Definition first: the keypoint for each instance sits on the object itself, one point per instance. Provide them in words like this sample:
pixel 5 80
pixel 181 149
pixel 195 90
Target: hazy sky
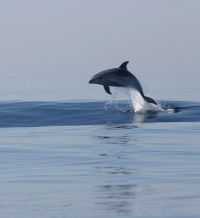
pixel 63 43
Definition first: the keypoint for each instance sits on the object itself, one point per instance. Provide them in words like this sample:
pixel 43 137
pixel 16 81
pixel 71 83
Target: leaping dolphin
pixel 119 77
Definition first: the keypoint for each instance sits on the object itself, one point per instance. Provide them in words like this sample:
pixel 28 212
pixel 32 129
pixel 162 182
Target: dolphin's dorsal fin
pixel 107 89
pixel 124 65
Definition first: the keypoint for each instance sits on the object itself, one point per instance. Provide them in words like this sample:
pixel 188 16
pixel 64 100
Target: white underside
pixel 140 105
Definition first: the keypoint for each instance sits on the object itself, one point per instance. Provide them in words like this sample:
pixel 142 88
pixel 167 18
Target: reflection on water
pixel 115 170
pixel 109 136
pixel 115 195
pixel 117 198
pixel 114 139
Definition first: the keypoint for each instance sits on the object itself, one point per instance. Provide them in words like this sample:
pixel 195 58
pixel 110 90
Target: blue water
pixel 92 159
pixel 36 114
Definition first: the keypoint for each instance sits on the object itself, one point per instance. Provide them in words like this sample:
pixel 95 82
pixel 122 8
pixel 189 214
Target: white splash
pixel 140 105
pixel 137 102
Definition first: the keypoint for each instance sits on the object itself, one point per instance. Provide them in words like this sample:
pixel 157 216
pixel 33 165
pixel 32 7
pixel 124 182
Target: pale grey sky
pixel 76 39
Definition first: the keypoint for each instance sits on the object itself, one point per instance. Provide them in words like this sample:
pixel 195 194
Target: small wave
pixel 36 114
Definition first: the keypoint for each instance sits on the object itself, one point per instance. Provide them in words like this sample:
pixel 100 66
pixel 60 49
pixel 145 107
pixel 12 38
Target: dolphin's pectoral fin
pixel 150 100
pixel 107 89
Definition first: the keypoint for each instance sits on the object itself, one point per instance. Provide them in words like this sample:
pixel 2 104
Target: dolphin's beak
pixel 91 81
pixel 96 80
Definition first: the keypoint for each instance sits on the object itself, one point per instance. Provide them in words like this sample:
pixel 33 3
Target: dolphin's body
pixel 119 77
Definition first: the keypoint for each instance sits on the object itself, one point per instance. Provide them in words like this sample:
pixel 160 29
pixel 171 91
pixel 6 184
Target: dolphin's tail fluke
pixel 150 100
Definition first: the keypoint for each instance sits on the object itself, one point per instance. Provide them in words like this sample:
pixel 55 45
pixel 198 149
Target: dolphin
pixel 119 77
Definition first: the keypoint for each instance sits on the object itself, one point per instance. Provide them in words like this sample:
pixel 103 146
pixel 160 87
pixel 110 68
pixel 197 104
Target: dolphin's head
pixel 107 77
pixel 111 77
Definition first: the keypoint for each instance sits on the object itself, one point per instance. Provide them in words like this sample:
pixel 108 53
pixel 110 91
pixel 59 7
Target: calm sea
pixel 96 159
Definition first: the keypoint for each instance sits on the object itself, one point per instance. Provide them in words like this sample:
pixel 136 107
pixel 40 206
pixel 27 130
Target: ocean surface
pixel 99 159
